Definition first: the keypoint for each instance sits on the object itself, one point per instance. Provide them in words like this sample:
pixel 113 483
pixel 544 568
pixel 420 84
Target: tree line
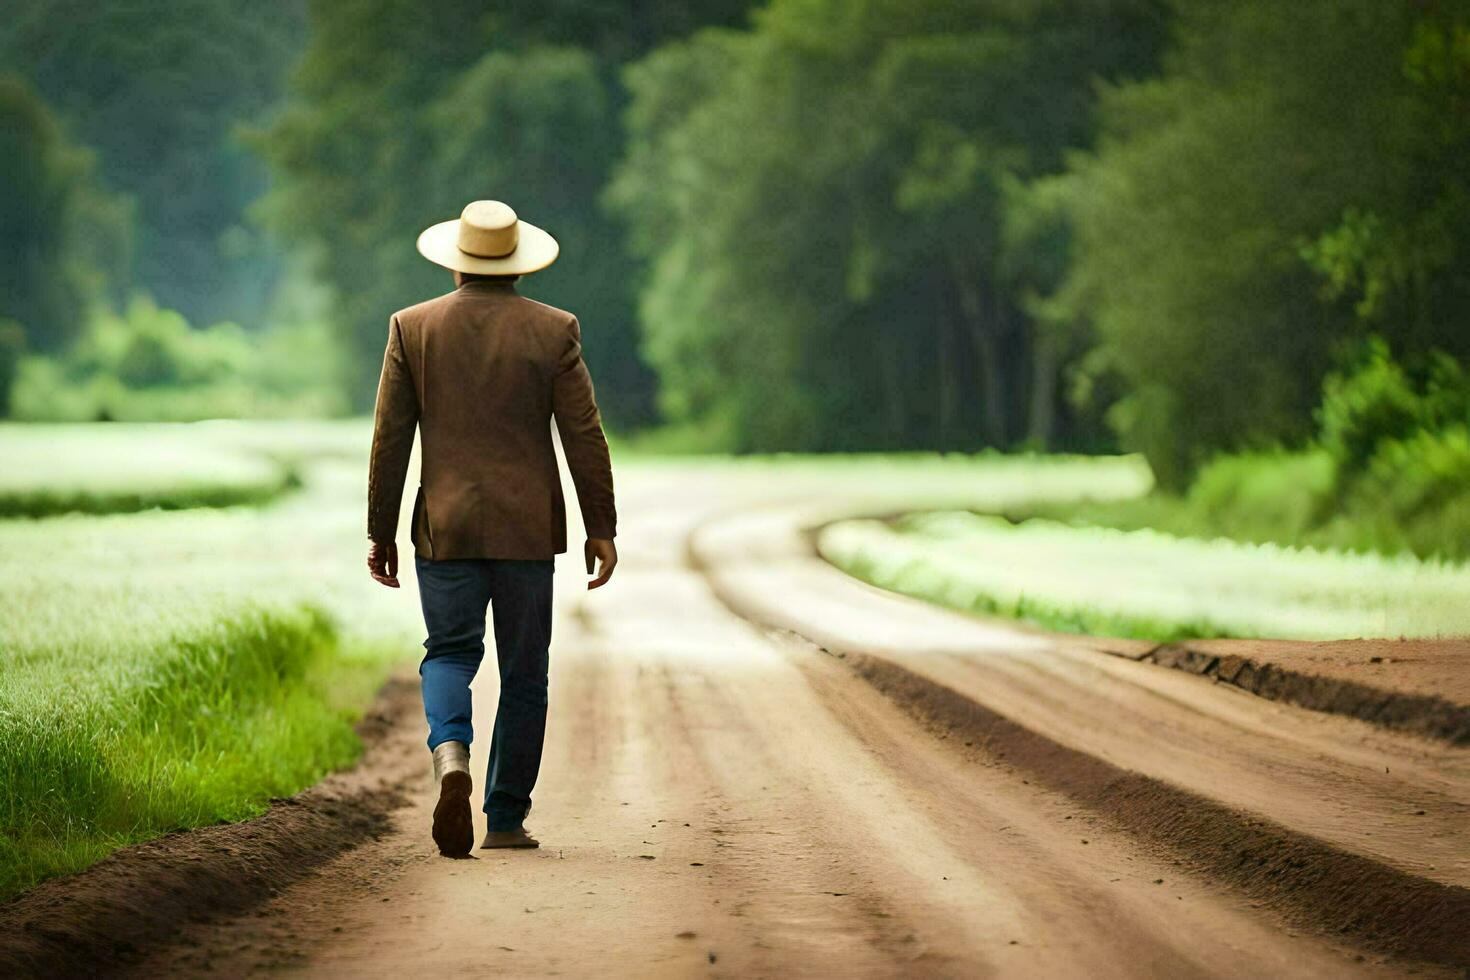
pixel 1055 224
pixel 401 113
pixel 1154 225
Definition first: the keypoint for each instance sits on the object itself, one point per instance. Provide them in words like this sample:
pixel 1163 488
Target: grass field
pixel 1149 584
pixel 1414 499
pixel 99 469
pixel 175 668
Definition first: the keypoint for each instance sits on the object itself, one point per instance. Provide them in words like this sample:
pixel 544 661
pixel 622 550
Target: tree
pixel 63 241
pixel 353 150
pixel 401 114
pixel 821 203
pixel 557 105
pixel 158 91
pixel 1295 178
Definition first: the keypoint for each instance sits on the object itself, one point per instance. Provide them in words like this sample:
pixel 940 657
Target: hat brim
pixel 535 250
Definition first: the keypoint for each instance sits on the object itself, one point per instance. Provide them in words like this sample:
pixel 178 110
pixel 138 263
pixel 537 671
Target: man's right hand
pixel 600 552
pixel 382 563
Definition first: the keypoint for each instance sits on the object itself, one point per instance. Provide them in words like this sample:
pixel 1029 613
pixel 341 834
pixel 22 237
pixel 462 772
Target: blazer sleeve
pixel 580 427
pixel 394 421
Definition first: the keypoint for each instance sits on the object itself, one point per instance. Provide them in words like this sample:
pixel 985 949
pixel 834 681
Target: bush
pixel 1390 472
pixel 1414 496
pixel 1275 496
pixel 1374 402
pixel 1262 496
pixel 148 364
pixel 1419 474
pixel 1380 402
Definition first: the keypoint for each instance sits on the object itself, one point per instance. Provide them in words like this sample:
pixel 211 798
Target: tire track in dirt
pixel 1408 806
pixel 1082 875
pixel 767 885
pixel 1076 722
pixel 1308 883
pixel 767 718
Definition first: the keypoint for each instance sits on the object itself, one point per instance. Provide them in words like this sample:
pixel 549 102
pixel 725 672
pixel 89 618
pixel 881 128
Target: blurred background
pixel 1183 227
pixel 1219 247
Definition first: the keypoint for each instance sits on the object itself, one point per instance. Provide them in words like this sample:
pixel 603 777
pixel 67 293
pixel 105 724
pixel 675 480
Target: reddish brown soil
pixel 1312 884
pixel 1416 686
pixel 1431 668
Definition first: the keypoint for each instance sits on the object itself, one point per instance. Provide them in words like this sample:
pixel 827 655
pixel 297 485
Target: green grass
pixel 1415 500
pixel 250 706
pixel 119 468
pixel 1270 497
pixel 1262 544
pixel 170 669
pixel 1149 584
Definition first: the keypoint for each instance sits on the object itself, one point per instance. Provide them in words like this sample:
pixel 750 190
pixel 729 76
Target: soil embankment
pixel 100 920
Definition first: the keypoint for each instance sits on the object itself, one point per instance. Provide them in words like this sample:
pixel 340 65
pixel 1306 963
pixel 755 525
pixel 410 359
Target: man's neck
pixel 492 284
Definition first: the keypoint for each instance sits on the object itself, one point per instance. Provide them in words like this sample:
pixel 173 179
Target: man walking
pixel 481 372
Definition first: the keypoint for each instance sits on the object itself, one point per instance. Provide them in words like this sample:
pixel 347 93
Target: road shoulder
pixel 102 920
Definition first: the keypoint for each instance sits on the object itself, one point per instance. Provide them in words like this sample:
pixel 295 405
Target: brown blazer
pixel 481 372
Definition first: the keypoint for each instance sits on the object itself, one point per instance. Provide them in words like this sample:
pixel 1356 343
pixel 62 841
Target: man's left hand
pixel 382 563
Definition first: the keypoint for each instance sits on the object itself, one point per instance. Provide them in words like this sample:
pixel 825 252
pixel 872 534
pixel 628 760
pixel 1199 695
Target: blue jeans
pixel 454 594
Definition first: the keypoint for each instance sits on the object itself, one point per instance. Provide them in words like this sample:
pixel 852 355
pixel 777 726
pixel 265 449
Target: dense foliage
pixel 1387 470
pixel 872 224
pixel 60 233
pixel 1158 225
pixel 825 205
pixel 149 364
pixel 159 92
pixel 402 113
pixel 1294 179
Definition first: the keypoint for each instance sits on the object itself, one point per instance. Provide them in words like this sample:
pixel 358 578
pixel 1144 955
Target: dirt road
pixel 720 799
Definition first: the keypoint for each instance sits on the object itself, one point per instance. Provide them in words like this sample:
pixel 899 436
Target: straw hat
pixel 488 239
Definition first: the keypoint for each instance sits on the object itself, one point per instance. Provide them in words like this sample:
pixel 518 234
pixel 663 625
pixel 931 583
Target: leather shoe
pixel 495 839
pixel 454 829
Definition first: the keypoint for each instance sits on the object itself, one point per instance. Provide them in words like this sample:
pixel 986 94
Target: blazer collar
pixel 487 286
